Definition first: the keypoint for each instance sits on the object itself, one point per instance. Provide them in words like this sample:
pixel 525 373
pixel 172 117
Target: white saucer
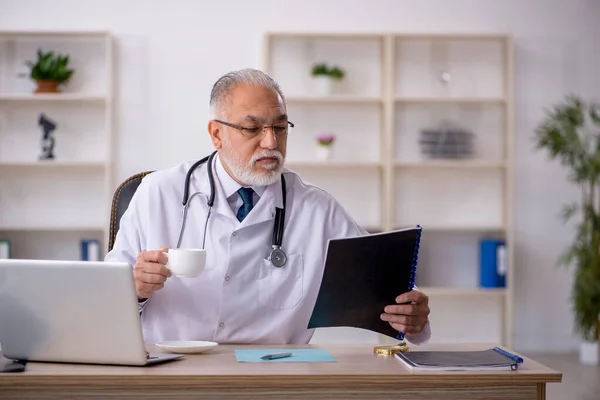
pixel 187 346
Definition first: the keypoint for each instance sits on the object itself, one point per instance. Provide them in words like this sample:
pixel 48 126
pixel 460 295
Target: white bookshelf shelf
pixel 461 228
pixel 46 164
pixel 66 34
pixel 396 86
pixel 334 99
pixel 292 164
pixel 47 97
pixel 52 228
pixel 450 100
pixel 48 206
pixel 463 292
pixel 444 164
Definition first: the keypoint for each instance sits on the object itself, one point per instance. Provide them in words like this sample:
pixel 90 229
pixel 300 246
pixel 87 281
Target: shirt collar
pixel 229 185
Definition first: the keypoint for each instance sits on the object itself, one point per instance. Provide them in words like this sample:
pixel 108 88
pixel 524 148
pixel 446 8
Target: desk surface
pixel 217 367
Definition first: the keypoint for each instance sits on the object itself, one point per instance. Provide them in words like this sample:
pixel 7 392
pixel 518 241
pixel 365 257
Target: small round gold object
pixel 390 350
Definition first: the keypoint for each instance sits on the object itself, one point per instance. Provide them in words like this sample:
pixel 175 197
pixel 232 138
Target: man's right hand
pixel 150 272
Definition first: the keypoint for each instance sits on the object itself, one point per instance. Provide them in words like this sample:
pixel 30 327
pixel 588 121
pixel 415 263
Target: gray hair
pixel 225 84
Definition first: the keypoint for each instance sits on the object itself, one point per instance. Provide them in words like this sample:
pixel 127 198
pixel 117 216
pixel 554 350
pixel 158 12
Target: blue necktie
pixel 246 195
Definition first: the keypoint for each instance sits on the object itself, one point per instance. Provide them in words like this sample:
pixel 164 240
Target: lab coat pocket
pixel 281 288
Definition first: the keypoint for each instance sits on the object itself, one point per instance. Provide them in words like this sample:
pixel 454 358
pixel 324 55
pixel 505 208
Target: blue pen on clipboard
pixel 505 353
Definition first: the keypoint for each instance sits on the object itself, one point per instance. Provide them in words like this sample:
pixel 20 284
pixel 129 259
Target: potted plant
pixel 571 133
pixel 326 76
pixel 325 143
pixel 49 71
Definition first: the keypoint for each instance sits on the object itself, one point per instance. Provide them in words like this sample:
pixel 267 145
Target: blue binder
pixel 492 263
pixel 90 250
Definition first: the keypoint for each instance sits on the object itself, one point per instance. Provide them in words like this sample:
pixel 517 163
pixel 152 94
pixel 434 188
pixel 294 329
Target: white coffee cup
pixel 187 263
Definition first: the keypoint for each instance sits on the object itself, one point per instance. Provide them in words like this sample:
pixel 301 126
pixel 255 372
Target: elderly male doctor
pixel 241 297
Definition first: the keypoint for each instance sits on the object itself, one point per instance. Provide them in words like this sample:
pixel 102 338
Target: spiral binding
pixel 413 270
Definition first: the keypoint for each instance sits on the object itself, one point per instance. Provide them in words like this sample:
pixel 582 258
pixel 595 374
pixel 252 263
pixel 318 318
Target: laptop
pixel 72 312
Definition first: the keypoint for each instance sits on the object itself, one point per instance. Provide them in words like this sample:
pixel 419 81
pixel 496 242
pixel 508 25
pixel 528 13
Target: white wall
pixel 170 52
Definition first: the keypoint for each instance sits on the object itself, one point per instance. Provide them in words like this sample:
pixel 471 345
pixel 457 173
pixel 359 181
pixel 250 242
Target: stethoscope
pixel 277 256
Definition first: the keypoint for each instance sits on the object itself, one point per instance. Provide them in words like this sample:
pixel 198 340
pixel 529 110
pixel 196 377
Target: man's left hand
pixel 408 318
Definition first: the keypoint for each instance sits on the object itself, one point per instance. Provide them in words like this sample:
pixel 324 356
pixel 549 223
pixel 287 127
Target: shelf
pixel 290 59
pixel 334 99
pixel 51 228
pixel 18 33
pixel 397 88
pixel 444 198
pixel 53 97
pixel 456 291
pixel 450 100
pixel 458 228
pixel 49 206
pixel 331 164
pixel 477 164
pixel 52 164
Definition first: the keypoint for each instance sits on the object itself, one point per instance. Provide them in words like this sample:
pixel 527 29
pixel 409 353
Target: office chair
pixel 120 202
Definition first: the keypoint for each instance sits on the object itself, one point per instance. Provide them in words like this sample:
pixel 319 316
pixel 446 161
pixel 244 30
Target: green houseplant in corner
pixel 571 134
pixel 49 71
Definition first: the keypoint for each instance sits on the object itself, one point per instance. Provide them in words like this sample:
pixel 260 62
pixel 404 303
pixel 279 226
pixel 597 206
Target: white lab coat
pixel 240 297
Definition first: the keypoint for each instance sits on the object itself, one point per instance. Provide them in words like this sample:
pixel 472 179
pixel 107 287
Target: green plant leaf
pixel 569 211
pixel 336 73
pixel 319 69
pixel 569 134
pixel 50 66
pixel 594 114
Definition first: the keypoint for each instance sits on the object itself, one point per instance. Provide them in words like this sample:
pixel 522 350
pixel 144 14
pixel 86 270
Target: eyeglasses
pixel 280 130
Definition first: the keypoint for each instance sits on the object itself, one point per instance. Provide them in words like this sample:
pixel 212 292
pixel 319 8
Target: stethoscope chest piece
pixel 278 257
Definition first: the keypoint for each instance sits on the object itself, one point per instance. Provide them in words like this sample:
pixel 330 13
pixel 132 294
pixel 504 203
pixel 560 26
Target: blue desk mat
pixel 298 355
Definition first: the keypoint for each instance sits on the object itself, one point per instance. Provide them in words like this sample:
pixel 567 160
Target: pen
pixel 505 353
pixel 275 356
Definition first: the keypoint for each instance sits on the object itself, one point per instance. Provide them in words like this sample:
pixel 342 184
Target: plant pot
pixel 589 353
pixel 324 85
pixel 324 153
pixel 46 86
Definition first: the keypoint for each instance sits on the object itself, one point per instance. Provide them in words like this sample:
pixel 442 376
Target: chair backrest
pixel 120 202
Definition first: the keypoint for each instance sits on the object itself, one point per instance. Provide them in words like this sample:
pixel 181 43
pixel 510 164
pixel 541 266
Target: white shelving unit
pixel 392 91
pixel 48 206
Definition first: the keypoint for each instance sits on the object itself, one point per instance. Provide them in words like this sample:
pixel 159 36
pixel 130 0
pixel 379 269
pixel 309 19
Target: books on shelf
pixel 90 250
pixel 4 249
pixel 471 360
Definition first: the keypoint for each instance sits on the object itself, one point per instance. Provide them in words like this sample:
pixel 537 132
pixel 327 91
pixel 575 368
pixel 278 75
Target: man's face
pixel 255 155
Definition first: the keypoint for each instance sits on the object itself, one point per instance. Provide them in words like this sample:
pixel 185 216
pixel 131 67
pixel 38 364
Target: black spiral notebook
pixel 472 360
pixel 363 275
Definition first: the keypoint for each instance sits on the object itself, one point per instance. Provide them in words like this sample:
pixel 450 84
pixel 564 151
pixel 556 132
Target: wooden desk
pixel 357 374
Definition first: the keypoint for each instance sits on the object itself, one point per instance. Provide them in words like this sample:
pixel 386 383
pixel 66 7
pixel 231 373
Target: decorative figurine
pixel 47 140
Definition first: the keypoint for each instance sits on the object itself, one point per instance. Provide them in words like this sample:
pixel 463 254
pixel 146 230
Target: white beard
pixel 245 172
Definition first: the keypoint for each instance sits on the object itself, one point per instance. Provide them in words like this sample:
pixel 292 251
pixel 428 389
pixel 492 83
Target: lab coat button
pixel 221 324
pixel 227 278
pixel 234 233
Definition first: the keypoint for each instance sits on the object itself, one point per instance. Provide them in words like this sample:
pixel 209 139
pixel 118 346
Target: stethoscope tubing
pixel 277 256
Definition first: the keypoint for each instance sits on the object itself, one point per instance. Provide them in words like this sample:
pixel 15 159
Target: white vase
pixel 324 153
pixel 589 353
pixel 324 85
